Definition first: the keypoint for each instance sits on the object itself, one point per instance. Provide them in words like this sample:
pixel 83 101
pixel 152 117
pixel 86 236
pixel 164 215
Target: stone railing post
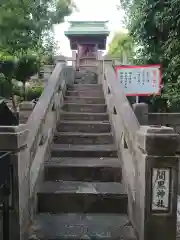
pixel 141 112
pixel 74 55
pixel 47 71
pixel 13 140
pixel 25 110
pixel 158 166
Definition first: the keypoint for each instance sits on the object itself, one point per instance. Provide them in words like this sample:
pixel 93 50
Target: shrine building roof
pixel 78 28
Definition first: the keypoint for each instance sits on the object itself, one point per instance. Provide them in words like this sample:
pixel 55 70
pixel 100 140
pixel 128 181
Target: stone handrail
pixel 124 109
pixel 46 101
pixel 124 122
pixel 144 151
pixel 32 143
pixel 42 124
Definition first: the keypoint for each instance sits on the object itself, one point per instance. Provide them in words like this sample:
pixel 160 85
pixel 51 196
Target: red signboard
pixel 143 80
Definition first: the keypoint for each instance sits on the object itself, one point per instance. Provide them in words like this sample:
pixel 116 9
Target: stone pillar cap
pixel 26 105
pixel 13 138
pixel 156 129
pixel 157 140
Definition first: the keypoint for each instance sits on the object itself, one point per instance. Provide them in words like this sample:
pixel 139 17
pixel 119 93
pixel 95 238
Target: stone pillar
pixel 25 110
pixel 48 71
pixel 70 75
pixel 157 183
pixel 108 61
pixel 13 140
pixel 74 56
pixel 141 112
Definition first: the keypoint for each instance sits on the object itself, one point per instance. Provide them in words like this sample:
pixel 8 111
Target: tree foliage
pixel 4 86
pixel 26 29
pixel 155 27
pixel 26 67
pixel 121 45
pixel 24 23
pixel 7 70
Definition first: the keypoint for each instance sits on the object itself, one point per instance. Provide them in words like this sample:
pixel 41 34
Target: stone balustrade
pixel 149 163
pixel 166 119
pixel 25 110
pixel 160 119
pixel 30 147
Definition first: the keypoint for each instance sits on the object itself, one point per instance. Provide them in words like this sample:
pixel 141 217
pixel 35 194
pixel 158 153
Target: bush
pixel 47 60
pixel 32 92
pixel 7 67
pixel 5 87
pixel 6 73
pixel 26 67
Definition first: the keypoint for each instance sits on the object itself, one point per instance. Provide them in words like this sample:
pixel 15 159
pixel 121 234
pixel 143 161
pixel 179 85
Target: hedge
pixel 32 92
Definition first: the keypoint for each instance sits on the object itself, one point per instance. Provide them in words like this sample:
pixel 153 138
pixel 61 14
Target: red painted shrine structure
pixel 87 38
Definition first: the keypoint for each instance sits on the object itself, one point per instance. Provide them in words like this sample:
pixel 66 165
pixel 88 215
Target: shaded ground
pixel 178 221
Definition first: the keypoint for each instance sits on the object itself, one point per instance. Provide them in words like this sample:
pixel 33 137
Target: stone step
pixel 89 108
pixel 87 78
pixel 84 126
pixel 73 226
pixel 84 72
pixel 77 116
pixel 85 87
pixel 83 169
pixel 78 138
pixel 84 197
pixel 67 150
pixel 94 93
pixel 84 100
pixel 79 74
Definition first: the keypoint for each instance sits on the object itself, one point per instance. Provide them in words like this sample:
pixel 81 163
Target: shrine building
pixel 87 37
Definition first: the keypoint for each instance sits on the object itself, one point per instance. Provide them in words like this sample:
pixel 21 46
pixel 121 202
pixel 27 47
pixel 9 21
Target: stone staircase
pixel 83 196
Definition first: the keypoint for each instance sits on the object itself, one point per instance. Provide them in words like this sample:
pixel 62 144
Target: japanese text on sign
pixel 160 189
pixel 139 80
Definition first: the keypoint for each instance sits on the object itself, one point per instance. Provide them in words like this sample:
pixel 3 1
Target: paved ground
pixel 82 226
pixel 178 222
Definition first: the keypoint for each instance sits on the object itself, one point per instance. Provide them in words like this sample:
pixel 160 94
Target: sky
pixel 91 10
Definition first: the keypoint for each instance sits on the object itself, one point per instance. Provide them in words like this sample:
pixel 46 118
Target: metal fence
pixel 5 192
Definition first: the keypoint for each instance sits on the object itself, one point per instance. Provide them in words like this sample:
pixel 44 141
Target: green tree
pixel 155 27
pixel 23 27
pixel 121 46
pixel 26 67
pixel 24 23
pixel 4 86
pixel 7 68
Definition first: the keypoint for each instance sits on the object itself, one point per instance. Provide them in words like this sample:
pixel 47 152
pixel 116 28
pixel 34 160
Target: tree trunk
pixel 12 98
pixel 14 105
pixel 24 91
